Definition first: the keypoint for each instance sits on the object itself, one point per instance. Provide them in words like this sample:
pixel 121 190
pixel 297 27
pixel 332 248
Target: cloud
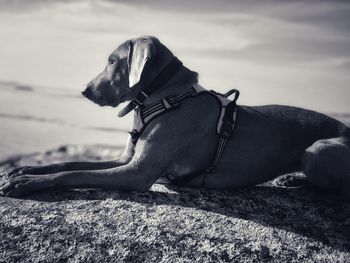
pixel 23 5
pixel 282 45
pixel 331 14
pixel 320 13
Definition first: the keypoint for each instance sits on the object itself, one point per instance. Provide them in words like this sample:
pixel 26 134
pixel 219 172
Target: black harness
pixel 144 115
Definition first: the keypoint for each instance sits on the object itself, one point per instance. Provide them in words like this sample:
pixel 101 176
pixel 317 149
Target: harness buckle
pixel 140 98
pixel 228 121
pixel 170 102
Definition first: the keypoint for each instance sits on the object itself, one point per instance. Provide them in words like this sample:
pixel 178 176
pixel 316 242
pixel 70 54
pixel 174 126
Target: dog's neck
pixel 178 84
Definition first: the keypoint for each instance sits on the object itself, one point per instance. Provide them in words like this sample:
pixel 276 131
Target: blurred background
pixel 282 52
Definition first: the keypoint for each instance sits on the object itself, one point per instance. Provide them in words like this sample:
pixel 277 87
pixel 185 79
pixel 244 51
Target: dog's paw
pixel 18 171
pixel 25 184
pixel 291 181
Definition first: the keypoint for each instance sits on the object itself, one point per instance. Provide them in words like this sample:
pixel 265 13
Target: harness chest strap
pixel 144 115
pixel 225 128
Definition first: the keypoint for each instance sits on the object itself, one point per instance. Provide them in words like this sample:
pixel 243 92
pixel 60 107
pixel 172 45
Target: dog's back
pixel 300 126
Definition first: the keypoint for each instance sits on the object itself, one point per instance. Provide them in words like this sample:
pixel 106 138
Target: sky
pixel 274 52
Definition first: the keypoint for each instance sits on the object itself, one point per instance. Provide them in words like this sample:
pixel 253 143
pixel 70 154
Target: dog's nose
pixel 87 92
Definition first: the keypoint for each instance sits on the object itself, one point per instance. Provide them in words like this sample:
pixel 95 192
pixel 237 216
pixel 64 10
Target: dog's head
pixel 134 64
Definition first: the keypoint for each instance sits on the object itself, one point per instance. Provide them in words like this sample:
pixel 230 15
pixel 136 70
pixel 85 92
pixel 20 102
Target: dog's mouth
pixel 115 103
pixel 98 100
pixel 101 101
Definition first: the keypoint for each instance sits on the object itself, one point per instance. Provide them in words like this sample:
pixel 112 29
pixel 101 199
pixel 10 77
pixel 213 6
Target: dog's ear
pixel 141 53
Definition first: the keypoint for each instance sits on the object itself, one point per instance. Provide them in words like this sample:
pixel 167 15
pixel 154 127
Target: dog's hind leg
pixel 326 164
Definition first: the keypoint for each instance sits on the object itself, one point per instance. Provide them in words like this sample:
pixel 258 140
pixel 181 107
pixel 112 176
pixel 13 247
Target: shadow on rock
pixel 302 211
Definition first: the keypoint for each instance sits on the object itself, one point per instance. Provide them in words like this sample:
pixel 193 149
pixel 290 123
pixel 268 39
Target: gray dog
pixel 193 136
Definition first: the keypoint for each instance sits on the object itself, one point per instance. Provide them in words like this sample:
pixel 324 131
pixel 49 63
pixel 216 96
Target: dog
pixel 182 140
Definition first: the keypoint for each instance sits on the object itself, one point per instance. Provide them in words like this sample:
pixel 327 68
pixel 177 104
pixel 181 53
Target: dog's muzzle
pixel 87 93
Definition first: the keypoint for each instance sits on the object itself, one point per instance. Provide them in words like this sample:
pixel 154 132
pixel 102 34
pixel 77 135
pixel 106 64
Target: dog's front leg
pixel 136 175
pixel 74 166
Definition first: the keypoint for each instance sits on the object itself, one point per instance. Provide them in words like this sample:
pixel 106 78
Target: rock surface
pixel 169 224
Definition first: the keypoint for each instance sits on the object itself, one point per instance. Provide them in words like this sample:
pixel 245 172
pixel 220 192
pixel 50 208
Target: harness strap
pixel 144 115
pixel 229 121
pixel 159 81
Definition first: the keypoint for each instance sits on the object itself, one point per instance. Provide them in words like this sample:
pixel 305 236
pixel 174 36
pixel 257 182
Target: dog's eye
pixel 112 61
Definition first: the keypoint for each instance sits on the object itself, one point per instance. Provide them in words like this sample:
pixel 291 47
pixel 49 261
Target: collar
pixel 162 78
